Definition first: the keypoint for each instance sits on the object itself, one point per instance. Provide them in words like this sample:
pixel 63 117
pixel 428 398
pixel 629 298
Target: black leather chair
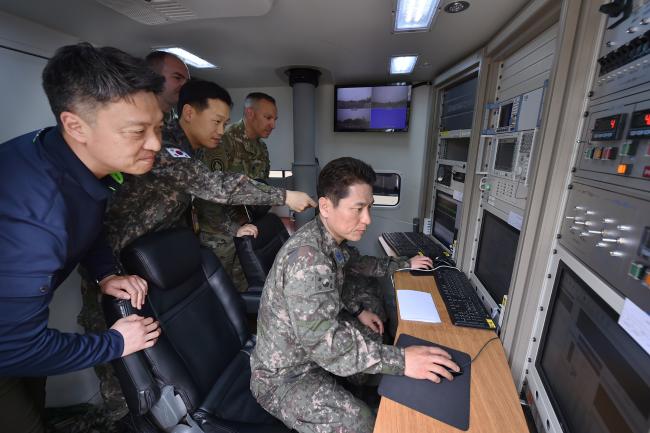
pixel 256 256
pixel 196 377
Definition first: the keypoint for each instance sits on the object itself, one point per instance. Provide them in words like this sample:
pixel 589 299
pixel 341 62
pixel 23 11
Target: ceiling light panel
pixel 189 58
pixel 414 15
pixel 402 64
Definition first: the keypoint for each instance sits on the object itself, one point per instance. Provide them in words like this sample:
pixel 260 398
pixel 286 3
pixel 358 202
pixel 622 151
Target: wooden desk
pixel 494 404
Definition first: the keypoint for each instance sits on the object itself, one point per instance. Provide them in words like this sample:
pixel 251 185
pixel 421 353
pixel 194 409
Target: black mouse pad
pixel 445 401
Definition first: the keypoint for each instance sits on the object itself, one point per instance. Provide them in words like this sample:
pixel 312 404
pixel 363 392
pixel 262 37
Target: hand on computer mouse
pixel 431 363
pixel 420 262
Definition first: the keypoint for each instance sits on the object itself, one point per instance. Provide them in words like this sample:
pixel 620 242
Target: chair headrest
pixel 165 258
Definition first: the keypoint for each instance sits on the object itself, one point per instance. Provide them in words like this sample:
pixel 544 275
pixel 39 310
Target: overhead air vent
pixel 156 12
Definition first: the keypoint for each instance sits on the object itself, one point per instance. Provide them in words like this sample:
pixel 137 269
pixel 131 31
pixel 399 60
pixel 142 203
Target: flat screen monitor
pixel 596 376
pixel 445 218
pixel 372 108
pixel 497 248
pixel 505 156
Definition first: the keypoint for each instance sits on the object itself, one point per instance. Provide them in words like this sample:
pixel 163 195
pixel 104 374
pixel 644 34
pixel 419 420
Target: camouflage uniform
pixel 161 198
pixel 218 223
pixel 361 287
pixel 306 332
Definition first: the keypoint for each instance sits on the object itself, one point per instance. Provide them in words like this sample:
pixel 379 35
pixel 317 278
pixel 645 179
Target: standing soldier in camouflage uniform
pixel 91 317
pixel 161 198
pixel 307 329
pixel 241 151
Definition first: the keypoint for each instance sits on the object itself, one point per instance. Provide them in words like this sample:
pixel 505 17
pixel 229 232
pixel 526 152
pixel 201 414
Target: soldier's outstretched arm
pixel 371 266
pixel 313 301
pixel 227 188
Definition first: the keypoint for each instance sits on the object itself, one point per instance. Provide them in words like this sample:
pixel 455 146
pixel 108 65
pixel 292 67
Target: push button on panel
pixel 598 152
pixel 636 270
pixel 646 278
pixel 628 148
pixel 646 171
pixel 623 168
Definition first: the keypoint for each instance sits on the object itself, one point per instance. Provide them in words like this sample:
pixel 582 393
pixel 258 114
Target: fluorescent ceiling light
pixel 189 58
pixel 414 15
pixel 402 64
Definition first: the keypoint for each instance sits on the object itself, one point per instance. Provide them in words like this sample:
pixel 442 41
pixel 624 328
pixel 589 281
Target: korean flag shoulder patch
pixel 177 153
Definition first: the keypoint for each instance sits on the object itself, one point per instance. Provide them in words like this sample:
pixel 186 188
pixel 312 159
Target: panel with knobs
pixel 610 233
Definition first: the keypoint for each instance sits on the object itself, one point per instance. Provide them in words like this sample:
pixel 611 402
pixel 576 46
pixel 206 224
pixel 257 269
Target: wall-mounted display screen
pixel 505 156
pixel 595 374
pixel 372 108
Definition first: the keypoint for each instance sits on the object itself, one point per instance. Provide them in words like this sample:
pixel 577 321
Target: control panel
pixel 607 218
pixel 615 146
pixel 610 232
pixel 623 59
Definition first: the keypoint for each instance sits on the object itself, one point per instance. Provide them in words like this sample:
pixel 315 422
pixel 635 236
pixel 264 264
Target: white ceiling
pixel 349 40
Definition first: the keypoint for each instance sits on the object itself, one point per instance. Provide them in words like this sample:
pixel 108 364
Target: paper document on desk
pixel 417 306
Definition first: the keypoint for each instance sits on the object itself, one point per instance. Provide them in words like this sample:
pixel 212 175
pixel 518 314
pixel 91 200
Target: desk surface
pixel 493 398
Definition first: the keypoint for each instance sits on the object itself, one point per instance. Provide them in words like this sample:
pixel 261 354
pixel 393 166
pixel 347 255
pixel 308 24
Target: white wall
pixel 25 109
pixel 25 106
pixel 280 142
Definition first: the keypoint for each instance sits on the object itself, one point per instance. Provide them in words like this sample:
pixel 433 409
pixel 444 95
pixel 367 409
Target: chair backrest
pixel 200 313
pixel 256 255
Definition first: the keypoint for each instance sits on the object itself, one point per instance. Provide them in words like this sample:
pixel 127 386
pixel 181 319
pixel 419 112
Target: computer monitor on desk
pixel 446 219
pixel 495 257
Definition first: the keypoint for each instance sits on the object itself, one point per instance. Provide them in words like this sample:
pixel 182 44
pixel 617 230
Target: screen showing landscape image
pixel 373 108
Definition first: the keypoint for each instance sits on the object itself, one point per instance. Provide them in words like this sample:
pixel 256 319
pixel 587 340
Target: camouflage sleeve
pixel 216 186
pixel 314 303
pixel 267 162
pixel 371 266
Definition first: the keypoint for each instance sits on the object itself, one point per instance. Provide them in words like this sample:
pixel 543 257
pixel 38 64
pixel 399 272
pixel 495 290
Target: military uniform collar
pixel 178 138
pixel 330 246
pixel 60 152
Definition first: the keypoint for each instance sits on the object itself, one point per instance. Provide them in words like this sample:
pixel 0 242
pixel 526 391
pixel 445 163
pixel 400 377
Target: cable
pixel 479 352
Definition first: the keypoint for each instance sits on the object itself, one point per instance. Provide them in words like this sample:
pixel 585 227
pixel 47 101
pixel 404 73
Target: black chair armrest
pixel 252 299
pixel 138 385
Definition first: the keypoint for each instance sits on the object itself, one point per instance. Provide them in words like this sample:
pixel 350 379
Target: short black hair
pixel 82 75
pixel 197 92
pixel 255 97
pixel 339 174
pixel 155 59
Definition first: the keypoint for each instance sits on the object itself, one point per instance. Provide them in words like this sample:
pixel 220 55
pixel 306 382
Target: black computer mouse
pixel 454 373
pixel 421 272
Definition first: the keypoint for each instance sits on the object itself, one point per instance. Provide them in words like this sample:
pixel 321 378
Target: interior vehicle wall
pixel 401 152
pixel 27 110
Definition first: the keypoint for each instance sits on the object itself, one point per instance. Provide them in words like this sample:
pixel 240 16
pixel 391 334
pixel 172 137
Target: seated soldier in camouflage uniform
pixel 241 150
pixel 308 330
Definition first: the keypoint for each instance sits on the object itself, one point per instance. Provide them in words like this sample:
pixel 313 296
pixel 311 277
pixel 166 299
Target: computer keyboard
pixel 463 304
pixel 412 243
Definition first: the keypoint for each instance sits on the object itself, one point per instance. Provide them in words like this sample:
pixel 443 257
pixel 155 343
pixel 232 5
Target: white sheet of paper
pixel 417 306
pixel 636 322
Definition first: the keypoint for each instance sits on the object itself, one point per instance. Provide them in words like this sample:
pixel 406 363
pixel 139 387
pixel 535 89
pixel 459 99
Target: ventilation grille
pixel 152 12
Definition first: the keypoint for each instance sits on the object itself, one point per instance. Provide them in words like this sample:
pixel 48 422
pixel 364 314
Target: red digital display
pixel 640 119
pixel 605 124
